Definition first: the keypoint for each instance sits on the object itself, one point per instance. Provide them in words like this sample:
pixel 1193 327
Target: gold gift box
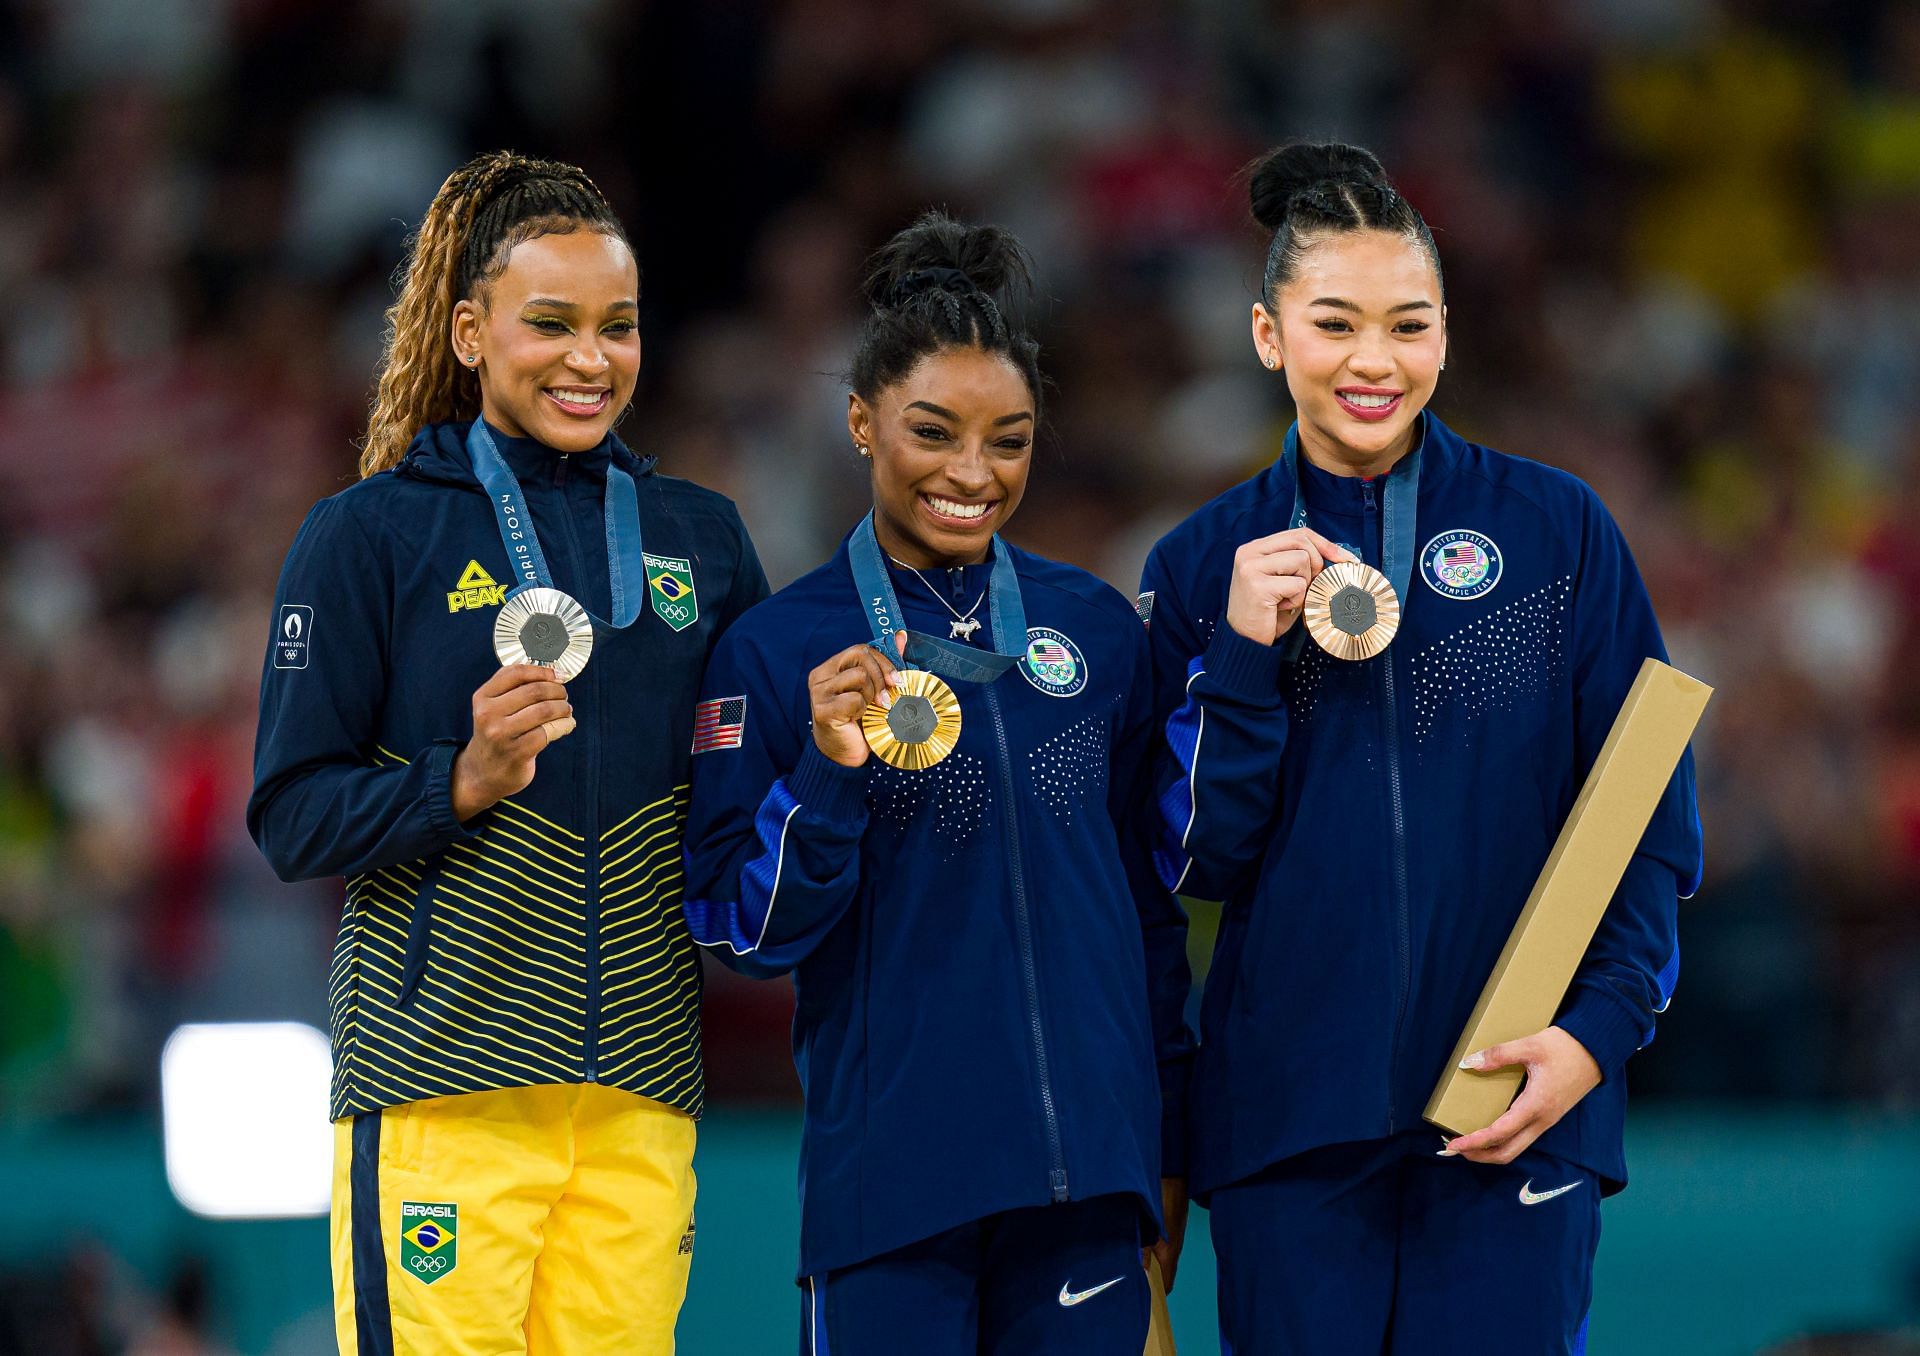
pixel 1573 890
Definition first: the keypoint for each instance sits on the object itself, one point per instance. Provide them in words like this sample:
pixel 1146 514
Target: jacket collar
pixel 1439 455
pixel 438 453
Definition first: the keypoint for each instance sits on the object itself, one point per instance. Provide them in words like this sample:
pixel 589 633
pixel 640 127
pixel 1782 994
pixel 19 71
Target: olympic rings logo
pixel 423 1264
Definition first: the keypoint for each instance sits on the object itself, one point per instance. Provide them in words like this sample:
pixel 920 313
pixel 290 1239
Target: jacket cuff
pixel 439 768
pixel 1174 1077
pixel 1607 1027
pixel 830 790
pixel 1241 667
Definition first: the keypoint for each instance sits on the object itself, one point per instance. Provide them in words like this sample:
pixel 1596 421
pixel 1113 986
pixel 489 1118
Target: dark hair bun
pixel 937 252
pixel 1286 171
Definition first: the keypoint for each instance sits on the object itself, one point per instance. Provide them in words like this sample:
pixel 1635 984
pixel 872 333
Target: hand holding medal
pixel 516 714
pixel 842 690
pixel 1271 576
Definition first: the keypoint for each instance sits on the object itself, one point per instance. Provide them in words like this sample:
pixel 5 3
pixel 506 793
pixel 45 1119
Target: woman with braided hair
pixel 923 816
pixel 478 706
pixel 1383 668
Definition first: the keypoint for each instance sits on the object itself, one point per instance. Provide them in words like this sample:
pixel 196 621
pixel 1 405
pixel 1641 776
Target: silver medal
pixel 544 626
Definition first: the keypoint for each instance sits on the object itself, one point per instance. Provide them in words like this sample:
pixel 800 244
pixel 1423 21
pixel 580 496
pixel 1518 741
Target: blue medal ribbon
pixel 1399 500
pixel 625 562
pixel 949 659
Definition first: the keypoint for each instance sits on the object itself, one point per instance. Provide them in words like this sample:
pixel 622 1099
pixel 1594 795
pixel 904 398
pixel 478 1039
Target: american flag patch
pixel 719 724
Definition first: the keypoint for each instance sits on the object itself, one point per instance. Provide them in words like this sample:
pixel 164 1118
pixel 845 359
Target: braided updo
pixel 1306 191
pixel 941 284
pixel 486 207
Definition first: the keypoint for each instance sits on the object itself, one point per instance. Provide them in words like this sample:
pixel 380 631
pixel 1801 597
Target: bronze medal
pixel 1351 610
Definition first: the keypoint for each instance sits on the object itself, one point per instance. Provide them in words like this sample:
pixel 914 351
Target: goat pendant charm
pixel 964 629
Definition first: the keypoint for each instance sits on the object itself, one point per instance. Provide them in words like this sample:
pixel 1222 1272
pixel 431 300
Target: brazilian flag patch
pixel 429 1239
pixel 670 586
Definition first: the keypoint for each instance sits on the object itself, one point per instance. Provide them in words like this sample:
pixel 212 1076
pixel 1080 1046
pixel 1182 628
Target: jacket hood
pixel 438 453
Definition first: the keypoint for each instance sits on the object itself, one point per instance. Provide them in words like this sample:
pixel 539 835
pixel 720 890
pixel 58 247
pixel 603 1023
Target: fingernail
pixel 1476 1060
pixel 1448 1152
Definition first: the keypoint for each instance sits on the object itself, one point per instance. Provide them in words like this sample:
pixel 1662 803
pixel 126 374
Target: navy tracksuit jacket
pixel 986 968
pixel 542 941
pixel 1374 827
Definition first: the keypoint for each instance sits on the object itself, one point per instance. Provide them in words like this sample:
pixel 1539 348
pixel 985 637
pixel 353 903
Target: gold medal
pixel 915 725
pixel 544 626
pixel 1351 610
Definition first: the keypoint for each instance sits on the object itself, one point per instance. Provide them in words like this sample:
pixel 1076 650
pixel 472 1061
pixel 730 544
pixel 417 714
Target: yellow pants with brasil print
pixel 553 1219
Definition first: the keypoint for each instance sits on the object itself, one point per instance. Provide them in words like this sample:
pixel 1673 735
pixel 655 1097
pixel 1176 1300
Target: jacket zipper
pixel 1029 972
pixel 591 1048
pixel 1402 913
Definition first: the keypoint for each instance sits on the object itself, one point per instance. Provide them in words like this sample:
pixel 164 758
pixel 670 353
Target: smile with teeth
pixel 953 508
pixel 1367 400
pixel 584 399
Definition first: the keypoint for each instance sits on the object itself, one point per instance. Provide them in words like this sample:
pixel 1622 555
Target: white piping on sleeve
pixel 1193 801
pixel 779 861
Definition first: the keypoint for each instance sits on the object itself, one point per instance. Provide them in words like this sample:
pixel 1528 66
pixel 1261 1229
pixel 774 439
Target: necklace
pixel 963 625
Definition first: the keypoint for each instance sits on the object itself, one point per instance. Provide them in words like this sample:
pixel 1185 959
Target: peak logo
pixel 475 589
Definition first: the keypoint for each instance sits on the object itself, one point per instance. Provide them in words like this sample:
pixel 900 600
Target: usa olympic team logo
pixel 1461 564
pixel 1054 663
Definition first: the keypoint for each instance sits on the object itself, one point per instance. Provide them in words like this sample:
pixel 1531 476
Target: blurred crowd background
pixel 1682 249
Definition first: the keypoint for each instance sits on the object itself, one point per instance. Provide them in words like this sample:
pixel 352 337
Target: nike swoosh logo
pixel 1068 1298
pixel 1528 1196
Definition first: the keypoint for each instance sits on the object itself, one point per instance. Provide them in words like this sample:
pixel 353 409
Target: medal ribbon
pixel 1398 502
pixel 625 560
pixel 949 659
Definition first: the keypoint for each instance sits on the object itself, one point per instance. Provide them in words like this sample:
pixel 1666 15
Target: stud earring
pixel 1270 361
pixel 861 448
pixel 472 358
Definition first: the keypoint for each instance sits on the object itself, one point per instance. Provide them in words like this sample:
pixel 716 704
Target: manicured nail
pixel 1476 1060
pixel 1448 1152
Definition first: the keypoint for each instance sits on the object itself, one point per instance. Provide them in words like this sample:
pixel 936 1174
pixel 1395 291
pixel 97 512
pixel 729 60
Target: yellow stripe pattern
pixel 469 971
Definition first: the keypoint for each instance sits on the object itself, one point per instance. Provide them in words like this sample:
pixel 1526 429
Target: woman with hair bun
pixel 477 707
pixel 922 811
pixel 1372 803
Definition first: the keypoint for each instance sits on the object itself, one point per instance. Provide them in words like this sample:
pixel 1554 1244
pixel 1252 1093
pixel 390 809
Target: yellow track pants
pixel 525 1222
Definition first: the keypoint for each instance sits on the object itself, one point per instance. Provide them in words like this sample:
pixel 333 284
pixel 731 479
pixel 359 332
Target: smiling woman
pixel 933 819
pixel 1373 809
pixel 515 999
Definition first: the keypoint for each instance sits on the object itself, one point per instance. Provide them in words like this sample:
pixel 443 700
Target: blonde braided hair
pixel 486 207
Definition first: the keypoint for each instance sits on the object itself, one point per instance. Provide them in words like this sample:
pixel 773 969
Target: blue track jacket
pixel 542 941
pixel 1374 827
pixel 986 968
